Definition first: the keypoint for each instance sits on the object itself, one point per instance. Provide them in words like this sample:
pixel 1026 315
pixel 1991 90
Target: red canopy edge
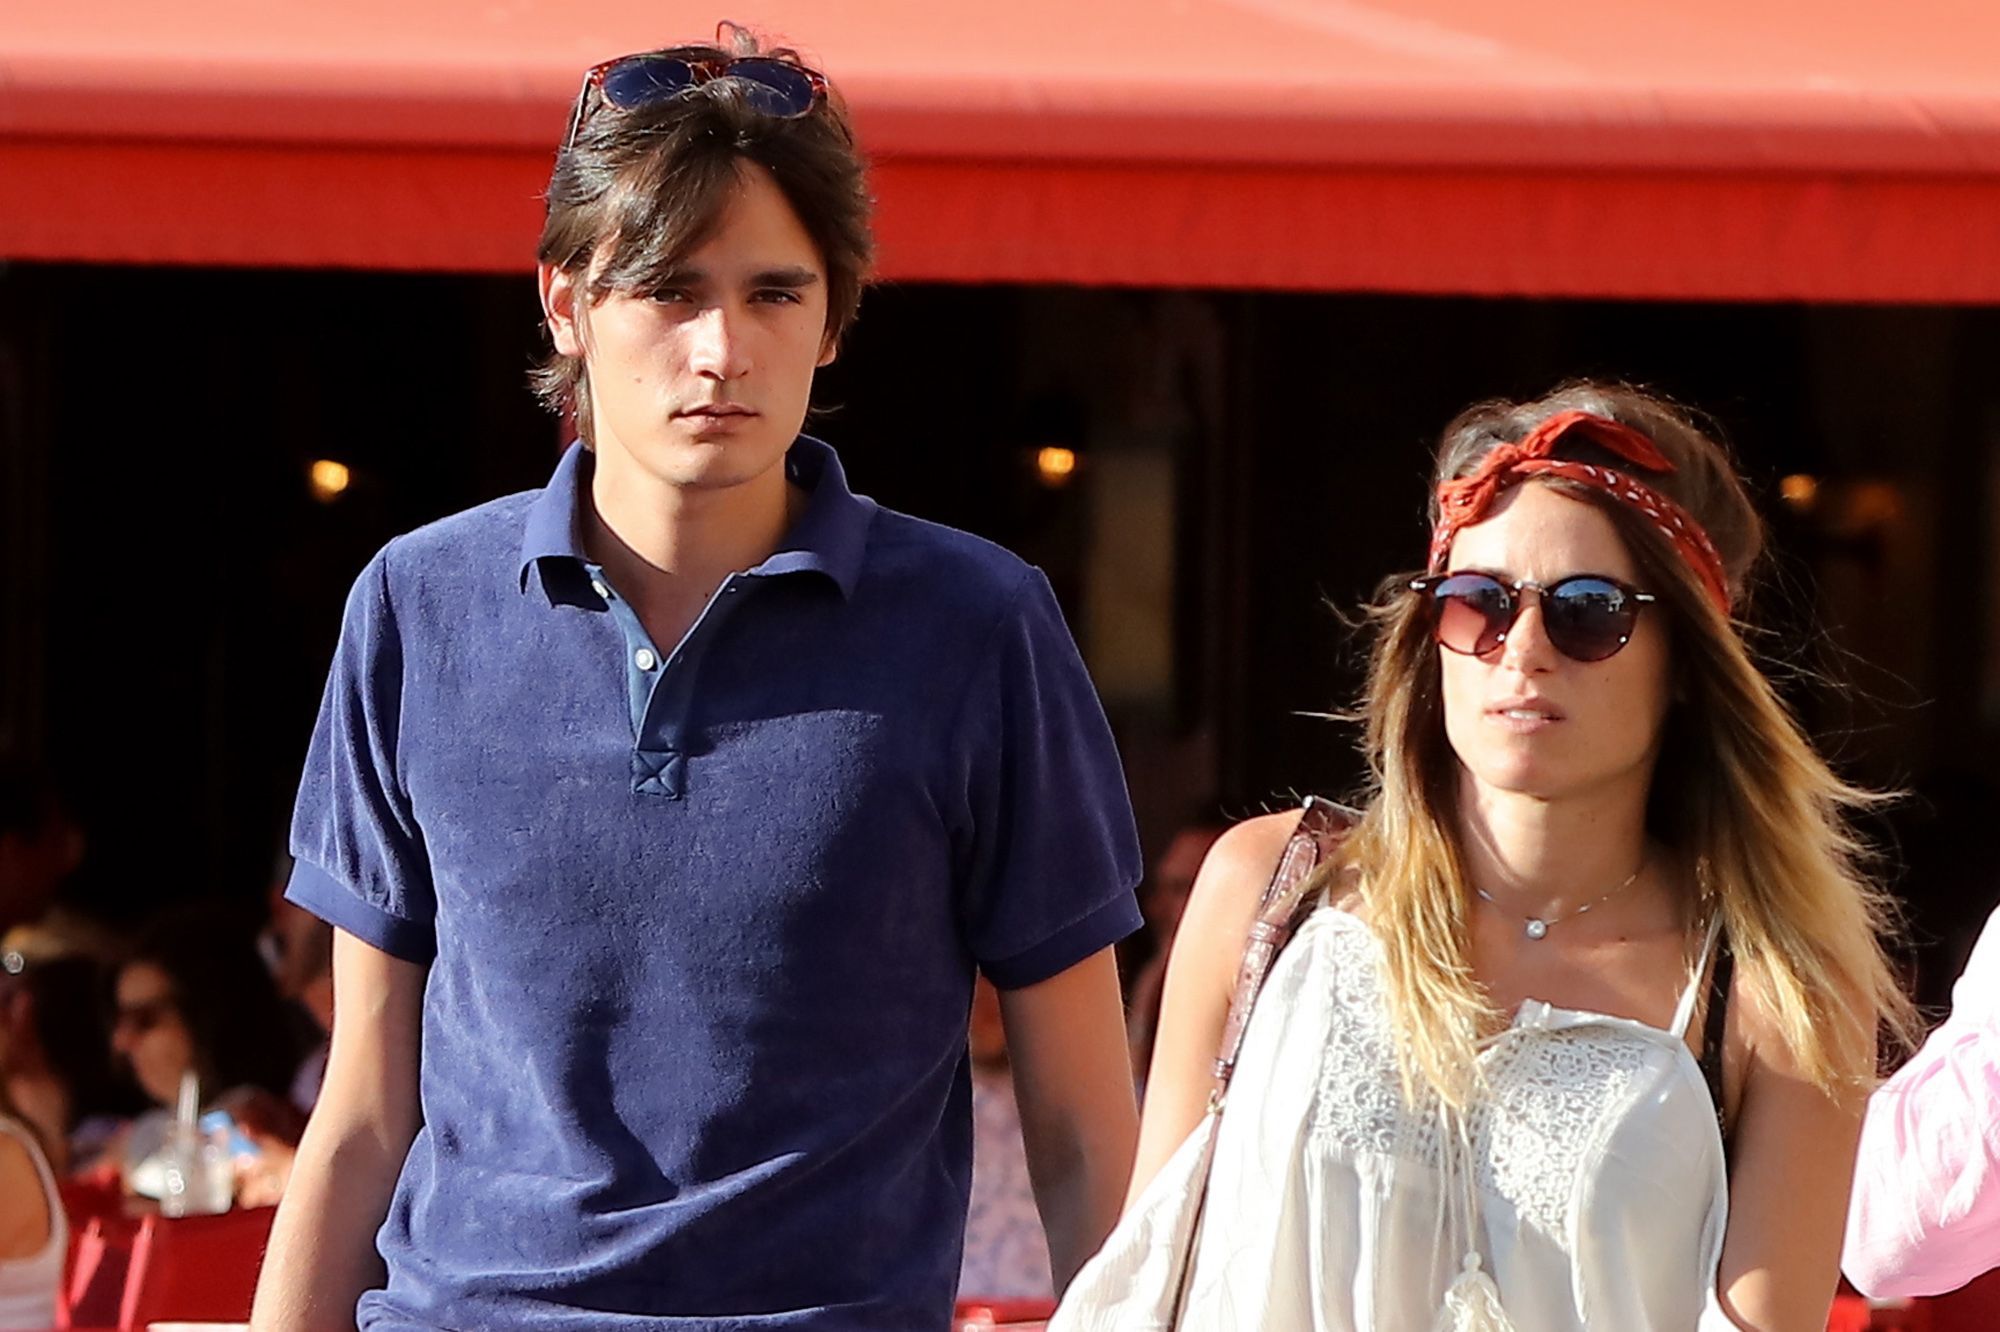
pixel 1661 234
pixel 1124 116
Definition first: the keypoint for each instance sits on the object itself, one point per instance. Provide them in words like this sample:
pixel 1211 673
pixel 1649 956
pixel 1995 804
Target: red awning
pixel 1704 149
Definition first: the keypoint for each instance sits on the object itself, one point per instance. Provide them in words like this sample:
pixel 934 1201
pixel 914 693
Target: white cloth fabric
pixel 28 1285
pixel 1600 1185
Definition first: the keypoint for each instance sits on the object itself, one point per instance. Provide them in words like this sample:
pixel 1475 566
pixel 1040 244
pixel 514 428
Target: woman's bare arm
pixel 1201 974
pixel 1794 1162
pixel 24 1203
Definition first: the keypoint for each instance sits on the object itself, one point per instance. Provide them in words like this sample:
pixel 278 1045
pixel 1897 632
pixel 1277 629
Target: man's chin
pixel 700 462
pixel 717 464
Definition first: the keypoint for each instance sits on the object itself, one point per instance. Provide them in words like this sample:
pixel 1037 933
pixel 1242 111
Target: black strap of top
pixel 1713 1027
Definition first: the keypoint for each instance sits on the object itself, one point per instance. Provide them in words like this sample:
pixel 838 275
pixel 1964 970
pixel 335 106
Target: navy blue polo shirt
pixel 702 919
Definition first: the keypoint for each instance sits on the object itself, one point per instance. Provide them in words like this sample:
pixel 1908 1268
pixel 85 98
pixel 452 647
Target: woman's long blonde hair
pixel 1738 792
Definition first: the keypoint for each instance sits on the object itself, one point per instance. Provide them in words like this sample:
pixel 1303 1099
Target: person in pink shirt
pixel 1925 1213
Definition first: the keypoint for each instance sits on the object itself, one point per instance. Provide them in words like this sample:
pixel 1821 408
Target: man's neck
pixel 667 547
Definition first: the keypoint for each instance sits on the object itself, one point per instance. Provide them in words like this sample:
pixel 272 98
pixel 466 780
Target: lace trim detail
pixel 1553 1090
pixel 1359 1100
pixel 1552 1093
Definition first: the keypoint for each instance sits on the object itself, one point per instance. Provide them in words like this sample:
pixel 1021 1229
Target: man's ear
pixel 560 306
pixel 829 348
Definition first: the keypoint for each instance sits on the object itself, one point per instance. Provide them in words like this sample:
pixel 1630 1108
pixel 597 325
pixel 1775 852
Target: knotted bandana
pixel 1469 499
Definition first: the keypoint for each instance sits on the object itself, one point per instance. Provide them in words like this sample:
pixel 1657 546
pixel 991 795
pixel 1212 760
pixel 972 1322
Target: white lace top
pixel 1600 1189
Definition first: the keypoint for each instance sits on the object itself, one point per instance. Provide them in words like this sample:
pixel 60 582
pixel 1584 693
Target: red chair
pixel 100 1254
pixel 85 1200
pixel 195 1268
pixel 973 1312
pixel 1973 1307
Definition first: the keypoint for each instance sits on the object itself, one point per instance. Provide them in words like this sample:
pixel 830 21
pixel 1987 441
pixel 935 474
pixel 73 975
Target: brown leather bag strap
pixel 1280 912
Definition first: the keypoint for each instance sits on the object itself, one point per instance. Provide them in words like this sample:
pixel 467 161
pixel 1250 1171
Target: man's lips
pixel 716 411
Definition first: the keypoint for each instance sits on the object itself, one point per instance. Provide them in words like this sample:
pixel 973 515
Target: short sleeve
pixel 360 859
pixel 1050 856
pixel 1924 1214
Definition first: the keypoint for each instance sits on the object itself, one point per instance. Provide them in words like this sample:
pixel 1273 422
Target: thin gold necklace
pixel 1537 927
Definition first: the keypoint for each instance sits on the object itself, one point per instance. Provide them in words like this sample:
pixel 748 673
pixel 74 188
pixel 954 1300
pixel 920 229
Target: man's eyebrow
pixel 784 277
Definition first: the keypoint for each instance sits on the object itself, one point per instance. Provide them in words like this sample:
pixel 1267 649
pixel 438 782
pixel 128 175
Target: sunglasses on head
pixel 774 87
pixel 1587 617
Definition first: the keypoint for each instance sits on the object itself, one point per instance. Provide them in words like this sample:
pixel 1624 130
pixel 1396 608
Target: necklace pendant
pixel 1536 927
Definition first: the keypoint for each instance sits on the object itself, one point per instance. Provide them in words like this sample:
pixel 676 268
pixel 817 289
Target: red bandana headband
pixel 1469 499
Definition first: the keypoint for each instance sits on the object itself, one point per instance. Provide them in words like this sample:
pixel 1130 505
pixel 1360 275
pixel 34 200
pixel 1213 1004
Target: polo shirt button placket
pixel 659 760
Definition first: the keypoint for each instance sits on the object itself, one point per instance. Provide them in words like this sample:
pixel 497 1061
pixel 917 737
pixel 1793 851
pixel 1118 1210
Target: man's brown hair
pixel 636 190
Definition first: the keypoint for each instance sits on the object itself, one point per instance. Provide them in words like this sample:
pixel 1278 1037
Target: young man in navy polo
pixel 667 813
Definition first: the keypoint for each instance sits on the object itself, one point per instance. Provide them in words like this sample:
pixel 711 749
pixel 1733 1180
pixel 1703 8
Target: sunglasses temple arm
pixel 576 113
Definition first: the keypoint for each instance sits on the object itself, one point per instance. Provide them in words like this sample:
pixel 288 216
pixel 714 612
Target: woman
pixel 1582 1035
pixel 193 997
pixel 33 1232
pixel 55 1057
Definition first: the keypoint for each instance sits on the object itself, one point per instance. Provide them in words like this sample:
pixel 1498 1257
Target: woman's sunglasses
pixel 772 86
pixel 1588 617
pixel 143 1017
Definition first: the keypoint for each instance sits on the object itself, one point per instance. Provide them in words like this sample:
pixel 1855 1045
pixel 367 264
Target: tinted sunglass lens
pixel 773 87
pixel 645 79
pixel 1473 612
pixel 1588 619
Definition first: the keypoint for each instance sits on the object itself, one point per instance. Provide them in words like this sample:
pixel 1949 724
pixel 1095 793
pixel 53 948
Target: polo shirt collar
pixel 829 538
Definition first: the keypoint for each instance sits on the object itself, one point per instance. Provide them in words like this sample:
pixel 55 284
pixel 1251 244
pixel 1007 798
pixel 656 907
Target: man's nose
pixel 718 350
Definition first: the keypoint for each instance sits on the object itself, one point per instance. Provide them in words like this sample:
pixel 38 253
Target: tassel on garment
pixel 1472 1302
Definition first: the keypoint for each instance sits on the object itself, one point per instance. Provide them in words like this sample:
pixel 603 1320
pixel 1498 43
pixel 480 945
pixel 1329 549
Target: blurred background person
pixel 56 1067
pixel 194 996
pixel 34 1234
pixel 298 948
pixel 1006 1252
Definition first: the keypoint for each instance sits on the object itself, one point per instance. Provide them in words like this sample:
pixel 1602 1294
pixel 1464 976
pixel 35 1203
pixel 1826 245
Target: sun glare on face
pixel 1524 718
pixel 704 380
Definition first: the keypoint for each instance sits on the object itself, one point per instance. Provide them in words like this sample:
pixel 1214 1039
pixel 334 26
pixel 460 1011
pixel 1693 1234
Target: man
pixel 1925 1214
pixel 666 814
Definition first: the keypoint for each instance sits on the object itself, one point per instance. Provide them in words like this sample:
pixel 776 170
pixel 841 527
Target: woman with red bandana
pixel 1581 1029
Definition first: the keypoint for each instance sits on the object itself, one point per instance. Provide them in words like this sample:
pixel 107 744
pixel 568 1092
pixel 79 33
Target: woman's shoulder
pixel 1240 865
pixel 25 1219
pixel 1251 848
pixel 18 1147
pixel 1228 888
